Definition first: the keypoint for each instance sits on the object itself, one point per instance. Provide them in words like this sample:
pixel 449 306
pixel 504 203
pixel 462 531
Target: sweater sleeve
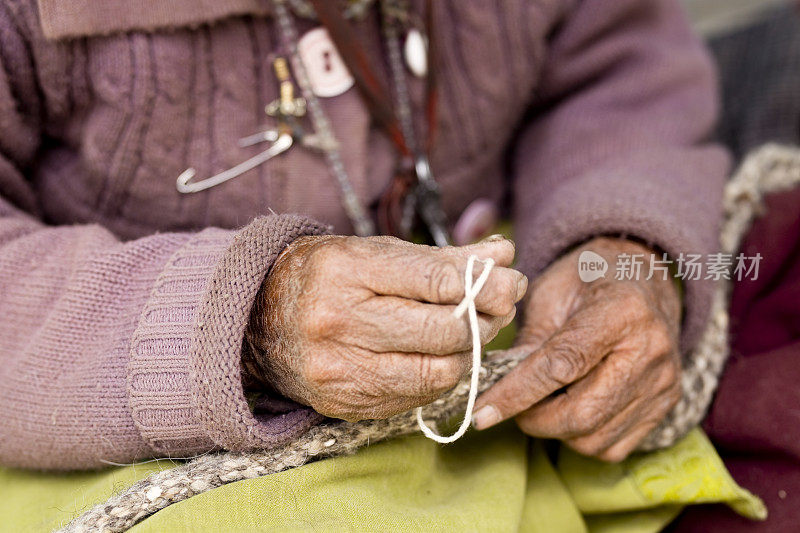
pixel 617 144
pixel 116 351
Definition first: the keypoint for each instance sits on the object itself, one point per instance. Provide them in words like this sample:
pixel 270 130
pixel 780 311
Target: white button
pixel 416 53
pixel 327 72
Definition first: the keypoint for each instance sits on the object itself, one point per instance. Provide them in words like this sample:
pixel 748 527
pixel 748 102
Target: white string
pixel 467 304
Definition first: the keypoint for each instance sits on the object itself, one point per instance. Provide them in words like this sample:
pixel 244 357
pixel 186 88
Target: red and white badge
pixel 327 72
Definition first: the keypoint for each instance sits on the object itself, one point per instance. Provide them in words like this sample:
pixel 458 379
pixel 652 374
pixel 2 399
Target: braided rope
pixel 210 471
pixel 771 168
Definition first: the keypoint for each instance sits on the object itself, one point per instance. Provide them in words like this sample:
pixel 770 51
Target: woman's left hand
pixel 604 364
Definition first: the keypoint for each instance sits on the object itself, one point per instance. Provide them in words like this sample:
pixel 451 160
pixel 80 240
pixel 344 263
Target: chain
pixel 356 9
pixel 426 198
pixel 362 224
pixel 390 10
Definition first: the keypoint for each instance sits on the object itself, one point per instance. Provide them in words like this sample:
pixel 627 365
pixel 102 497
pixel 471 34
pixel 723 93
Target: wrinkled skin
pixel 604 361
pixel 362 328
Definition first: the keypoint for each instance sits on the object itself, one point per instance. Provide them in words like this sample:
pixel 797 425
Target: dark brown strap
pixel 432 81
pixel 376 94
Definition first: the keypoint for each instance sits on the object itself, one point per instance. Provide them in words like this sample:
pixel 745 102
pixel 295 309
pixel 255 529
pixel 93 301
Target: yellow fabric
pixel 497 480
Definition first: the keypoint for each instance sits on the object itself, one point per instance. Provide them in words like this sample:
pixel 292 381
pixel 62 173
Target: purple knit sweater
pixel 123 303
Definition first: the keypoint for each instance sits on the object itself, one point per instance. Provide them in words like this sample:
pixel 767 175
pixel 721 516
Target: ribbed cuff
pixel 215 361
pixel 184 375
pixel 159 385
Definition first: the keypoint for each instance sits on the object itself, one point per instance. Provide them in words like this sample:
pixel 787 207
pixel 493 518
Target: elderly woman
pixel 136 314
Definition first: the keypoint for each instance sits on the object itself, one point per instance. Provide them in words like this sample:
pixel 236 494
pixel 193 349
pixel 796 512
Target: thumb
pixel 562 359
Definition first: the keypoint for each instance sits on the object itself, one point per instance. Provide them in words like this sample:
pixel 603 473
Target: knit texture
pixel 772 168
pixel 122 311
pixel 184 375
pixel 216 359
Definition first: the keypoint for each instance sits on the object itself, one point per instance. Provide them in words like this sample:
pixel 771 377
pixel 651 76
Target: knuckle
pixel 587 418
pixel 329 252
pixel 564 365
pixel 668 378
pixel 636 301
pixel 673 397
pixel 385 240
pixel 426 376
pixel 321 321
pixel 632 299
pixel 317 370
pixel 442 278
pixel 624 369
pixel 660 340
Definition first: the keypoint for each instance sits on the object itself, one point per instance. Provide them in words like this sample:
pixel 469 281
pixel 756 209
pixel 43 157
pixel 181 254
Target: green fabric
pixel 497 480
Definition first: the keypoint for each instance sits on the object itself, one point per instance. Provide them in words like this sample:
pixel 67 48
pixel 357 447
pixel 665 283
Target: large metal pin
pixel 283 142
pixel 286 108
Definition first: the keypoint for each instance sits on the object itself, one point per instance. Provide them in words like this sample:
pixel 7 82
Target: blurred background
pixel 716 16
pixel 757 47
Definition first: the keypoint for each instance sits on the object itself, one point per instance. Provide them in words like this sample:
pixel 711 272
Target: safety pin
pixel 281 141
pixel 260 137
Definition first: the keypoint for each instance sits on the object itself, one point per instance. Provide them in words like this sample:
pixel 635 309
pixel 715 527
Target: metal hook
pixel 282 143
pixel 260 137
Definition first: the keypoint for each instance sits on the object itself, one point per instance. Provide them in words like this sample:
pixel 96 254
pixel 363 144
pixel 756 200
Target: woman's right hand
pixel 363 328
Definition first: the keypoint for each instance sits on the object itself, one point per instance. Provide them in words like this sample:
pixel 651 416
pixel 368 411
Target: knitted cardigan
pixel 770 169
pixel 123 302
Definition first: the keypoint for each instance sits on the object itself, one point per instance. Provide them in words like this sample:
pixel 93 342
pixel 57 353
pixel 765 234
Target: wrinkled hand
pixel 604 363
pixel 362 327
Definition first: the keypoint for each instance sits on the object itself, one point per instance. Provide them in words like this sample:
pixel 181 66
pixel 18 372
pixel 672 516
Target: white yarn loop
pixel 471 291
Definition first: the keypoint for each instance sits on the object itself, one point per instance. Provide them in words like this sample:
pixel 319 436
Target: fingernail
pixel 522 287
pixel 485 417
pixel 494 238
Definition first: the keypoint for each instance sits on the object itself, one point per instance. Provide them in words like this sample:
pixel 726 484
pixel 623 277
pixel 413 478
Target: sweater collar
pixel 82 18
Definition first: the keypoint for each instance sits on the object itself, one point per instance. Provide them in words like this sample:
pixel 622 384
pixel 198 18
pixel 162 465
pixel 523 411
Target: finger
pixel 628 444
pixel 391 324
pixel 552 298
pixel 590 402
pixel 381 385
pixel 496 247
pixel 595 443
pixel 643 410
pixel 623 434
pixel 436 276
pixel 563 359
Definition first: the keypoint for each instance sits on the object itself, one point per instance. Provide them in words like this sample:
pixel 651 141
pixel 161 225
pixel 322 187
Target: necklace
pixel 356 9
pixel 413 189
pixel 362 224
pixel 426 198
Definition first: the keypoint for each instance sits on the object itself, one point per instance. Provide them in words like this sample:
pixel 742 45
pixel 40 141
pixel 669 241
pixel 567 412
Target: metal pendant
pixel 429 204
pixel 415 51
